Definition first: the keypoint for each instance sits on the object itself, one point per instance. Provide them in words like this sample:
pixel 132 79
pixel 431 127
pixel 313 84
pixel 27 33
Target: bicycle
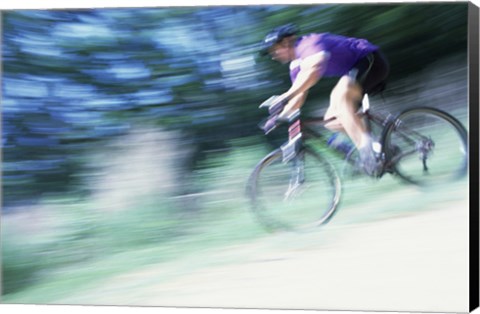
pixel 295 187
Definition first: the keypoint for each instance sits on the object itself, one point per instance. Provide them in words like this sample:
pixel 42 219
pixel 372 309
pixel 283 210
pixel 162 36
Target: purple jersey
pixel 344 52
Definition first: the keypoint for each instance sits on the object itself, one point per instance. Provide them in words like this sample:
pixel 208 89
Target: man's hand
pixel 293 105
pixel 270 125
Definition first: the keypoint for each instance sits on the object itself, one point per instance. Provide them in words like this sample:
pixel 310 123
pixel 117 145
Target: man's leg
pixel 344 101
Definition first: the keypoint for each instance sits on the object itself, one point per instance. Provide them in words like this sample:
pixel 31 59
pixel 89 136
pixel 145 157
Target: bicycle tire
pixel 314 204
pixel 438 140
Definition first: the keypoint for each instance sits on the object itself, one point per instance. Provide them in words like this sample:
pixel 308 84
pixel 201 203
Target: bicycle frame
pixel 304 127
pixel 300 130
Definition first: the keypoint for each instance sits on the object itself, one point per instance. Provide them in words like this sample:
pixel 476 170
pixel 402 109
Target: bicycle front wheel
pixel 426 146
pixel 294 195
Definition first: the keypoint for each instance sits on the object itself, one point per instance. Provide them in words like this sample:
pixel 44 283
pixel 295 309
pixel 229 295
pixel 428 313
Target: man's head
pixel 280 43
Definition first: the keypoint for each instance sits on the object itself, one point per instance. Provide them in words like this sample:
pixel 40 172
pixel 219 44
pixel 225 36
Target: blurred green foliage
pixel 64 247
pixel 69 250
pixel 74 79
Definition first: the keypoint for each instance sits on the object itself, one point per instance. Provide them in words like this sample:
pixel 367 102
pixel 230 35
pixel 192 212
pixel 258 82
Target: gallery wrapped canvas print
pixel 263 156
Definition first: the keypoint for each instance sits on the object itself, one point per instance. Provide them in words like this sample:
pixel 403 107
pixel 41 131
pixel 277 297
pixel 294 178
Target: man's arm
pixel 311 70
pixel 293 104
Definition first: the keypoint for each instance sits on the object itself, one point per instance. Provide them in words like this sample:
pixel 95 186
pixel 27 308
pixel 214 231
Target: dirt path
pixel 418 262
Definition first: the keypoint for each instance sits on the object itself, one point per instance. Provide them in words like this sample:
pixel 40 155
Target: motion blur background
pixel 128 134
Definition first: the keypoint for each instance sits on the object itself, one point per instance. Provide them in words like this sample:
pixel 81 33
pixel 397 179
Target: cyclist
pixel 359 64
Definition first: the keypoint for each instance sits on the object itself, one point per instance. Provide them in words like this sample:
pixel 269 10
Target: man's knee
pixel 334 126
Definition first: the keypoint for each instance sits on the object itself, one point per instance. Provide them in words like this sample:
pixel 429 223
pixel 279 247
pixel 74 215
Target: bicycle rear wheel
pixel 426 146
pixel 297 195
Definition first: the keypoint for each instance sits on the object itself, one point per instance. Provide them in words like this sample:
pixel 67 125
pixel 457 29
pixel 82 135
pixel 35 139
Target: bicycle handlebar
pixel 272 105
pixel 274 109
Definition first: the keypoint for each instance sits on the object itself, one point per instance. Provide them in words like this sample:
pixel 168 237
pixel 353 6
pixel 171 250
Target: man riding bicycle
pixel 359 64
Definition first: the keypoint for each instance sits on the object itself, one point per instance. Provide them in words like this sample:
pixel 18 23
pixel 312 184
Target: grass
pixel 42 272
pixel 78 245
pixel 75 246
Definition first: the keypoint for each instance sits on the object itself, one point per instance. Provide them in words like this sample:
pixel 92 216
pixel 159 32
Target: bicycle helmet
pixel 276 36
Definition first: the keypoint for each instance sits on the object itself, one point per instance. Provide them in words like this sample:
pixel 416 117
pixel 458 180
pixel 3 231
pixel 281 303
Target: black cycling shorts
pixel 371 72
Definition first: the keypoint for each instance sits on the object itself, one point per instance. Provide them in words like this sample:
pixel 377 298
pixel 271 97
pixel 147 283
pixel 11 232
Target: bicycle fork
pixel 294 155
pixel 420 144
pixel 424 149
pixel 297 175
